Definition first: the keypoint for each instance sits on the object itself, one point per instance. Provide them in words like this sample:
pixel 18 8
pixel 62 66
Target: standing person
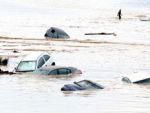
pixel 119 14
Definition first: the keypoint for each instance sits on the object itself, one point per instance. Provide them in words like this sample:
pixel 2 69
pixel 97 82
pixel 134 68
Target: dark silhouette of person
pixel 119 14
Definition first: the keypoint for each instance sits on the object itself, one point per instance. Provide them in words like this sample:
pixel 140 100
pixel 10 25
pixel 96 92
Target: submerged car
pixel 56 33
pixel 82 85
pixel 57 70
pixel 138 77
pixel 34 61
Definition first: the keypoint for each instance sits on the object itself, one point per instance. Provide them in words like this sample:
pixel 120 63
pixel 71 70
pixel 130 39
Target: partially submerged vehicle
pixel 5 72
pixel 3 61
pixel 57 70
pixel 138 77
pixel 54 32
pixel 82 85
pixel 34 61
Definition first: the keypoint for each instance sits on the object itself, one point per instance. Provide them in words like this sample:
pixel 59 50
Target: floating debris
pixel 102 33
pixel 15 51
pixel 144 19
pixel 3 61
pixel 6 72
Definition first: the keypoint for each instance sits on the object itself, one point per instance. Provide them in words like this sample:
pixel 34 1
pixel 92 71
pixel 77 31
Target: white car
pixel 34 61
pixel 137 77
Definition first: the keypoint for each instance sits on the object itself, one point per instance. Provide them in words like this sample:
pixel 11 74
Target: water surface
pixel 102 59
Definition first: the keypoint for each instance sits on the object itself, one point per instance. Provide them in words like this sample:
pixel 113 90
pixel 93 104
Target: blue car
pixel 81 85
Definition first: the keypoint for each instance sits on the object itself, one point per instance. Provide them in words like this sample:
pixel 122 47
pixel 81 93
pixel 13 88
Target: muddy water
pixel 102 62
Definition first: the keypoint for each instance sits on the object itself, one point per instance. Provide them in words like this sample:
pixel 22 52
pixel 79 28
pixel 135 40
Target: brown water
pixel 102 62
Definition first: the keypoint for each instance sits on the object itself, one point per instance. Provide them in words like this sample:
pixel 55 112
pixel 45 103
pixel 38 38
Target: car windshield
pixel 84 84
pixel 41 72
pixel 26 66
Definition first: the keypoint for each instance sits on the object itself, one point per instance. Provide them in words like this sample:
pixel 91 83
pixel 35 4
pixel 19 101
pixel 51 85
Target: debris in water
pixel 3 61
pixel 102 33
pixel 5 72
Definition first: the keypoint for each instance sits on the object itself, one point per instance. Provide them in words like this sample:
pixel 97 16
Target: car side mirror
pixel 53 64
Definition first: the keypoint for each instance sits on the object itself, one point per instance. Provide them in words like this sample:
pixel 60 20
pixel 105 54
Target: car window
pixel 46 57
pixel 85 84
pixel 26 66
pixel 64 71
pixel 40 62
pixel 41 72
pixel 54 72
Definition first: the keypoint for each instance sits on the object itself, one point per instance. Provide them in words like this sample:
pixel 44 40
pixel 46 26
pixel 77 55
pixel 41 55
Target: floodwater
pixel 102 59
pixel 100 62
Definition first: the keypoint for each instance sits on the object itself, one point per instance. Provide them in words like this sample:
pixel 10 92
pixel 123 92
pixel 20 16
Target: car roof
pixel 138 76
pixel 54 67
pixel 33 56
